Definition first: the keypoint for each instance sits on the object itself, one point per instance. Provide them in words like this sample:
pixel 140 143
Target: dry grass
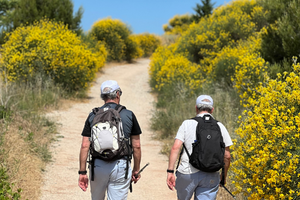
pixel 167 39
pixel 22 160
pixel 24 167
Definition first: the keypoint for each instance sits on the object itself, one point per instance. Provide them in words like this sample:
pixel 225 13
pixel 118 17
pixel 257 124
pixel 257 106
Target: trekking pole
pixel 228 191
pixel 137 175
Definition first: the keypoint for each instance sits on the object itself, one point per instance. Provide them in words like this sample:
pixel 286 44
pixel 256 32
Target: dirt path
pixel 60 178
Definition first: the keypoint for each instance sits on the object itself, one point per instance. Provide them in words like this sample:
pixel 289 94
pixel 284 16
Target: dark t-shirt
pixel 129 122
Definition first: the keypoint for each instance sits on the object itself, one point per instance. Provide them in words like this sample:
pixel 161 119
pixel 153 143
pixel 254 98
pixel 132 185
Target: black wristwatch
pixel 82 172
pixel 170 171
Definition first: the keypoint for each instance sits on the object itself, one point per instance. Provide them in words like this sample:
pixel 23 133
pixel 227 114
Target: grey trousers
pixel 203 185
pixel 110 177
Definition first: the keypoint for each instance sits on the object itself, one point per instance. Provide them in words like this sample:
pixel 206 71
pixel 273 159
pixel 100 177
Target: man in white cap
pixel 191 181
pixel 109 176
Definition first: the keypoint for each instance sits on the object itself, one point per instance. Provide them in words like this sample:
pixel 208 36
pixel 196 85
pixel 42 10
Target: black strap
pixel 183 148
pixel 222 182
pixel 130 187
pixel 92 168
pixel 119 108
pixel 127 166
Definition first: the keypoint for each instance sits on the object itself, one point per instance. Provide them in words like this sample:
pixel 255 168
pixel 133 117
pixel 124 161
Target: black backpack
pixel 108 141
pixel 209 148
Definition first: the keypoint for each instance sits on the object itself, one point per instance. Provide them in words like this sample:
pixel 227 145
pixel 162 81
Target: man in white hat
pixel 109 176
pixel 190 180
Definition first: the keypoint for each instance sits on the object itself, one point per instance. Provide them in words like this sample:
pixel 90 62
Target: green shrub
pixel 132 49
pixel 6 188
pixel 281 41
pixel 4 112
pixel 271 47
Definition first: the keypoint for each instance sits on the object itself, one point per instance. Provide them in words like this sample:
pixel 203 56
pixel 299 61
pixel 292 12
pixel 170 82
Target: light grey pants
pixel 203 185
pixel 110 177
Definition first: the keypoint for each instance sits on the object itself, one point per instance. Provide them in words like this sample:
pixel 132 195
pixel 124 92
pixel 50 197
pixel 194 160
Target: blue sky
pixel 141 15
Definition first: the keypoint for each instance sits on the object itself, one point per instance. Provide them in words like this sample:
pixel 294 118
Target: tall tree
pixel 203 10
pixel 28 11
pixel 6 12
pixel 13 13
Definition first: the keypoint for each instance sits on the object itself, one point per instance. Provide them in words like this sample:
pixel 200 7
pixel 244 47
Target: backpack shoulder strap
pixel 95 110
pixel 200 124
pixel 183 148
pixel 204 122
pixel 119 108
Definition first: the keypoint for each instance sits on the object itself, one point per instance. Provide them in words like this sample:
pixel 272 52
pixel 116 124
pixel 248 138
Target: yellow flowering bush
pixel 49 48
pixel 241 67
pixel 266 157
pixel 147 43
pixel 170 69
pixel 178 24
pixel 219 45
pixel 115 35
pixel 158 59
pixel 226 25
pixel 178 69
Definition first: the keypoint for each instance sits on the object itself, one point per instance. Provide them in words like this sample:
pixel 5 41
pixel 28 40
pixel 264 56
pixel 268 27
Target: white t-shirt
pixel 187 134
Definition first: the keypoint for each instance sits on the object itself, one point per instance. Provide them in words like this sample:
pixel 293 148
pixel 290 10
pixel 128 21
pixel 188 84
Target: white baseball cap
pixel 109 86
pixel 204 100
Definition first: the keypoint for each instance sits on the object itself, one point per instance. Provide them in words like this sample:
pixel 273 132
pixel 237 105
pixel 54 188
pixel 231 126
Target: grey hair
pixel 204 107
pixel 110 95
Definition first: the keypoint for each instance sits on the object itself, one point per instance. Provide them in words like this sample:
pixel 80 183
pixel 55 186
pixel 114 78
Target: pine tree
pixel 203 10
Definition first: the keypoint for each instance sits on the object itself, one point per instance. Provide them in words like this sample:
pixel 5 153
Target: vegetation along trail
pixel 61 177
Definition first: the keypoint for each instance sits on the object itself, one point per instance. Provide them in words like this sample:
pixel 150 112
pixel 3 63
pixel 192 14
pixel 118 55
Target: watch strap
pixel 82 172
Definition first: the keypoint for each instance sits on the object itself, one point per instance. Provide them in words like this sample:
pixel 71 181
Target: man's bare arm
pixel 137 154
pixel 83 179
pixel 227 158
pixel 172 160
pixel 85 145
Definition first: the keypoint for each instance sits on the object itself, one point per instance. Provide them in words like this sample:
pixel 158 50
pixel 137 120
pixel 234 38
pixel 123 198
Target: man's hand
pixel 171 181
pixel 83 182
pixel 135 178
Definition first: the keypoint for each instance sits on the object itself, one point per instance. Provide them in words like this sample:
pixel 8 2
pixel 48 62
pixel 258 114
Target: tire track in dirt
pixel 60 178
